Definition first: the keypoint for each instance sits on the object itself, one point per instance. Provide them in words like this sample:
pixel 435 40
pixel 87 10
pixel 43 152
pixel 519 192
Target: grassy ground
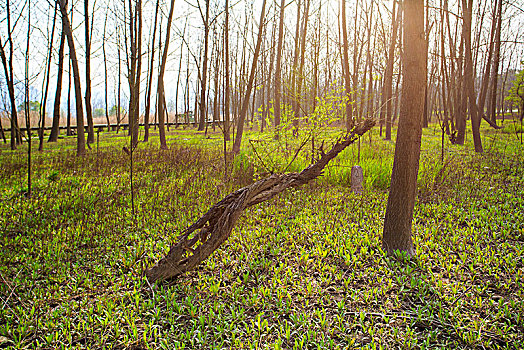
pixel 304 270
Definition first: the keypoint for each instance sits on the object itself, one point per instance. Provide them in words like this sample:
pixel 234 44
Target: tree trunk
pixel 203 104
pixel 80 138
pixel 468 75
pixel 89 111
pixel 47 77
pixel 55 129
pixel 160 89
pixel 226 75
pixel 403 189
pixel 278 72
pixel 9 77
pixel 150 79
pixel 494 71
pixel 245 104
pixel 68 119
pixel 388 79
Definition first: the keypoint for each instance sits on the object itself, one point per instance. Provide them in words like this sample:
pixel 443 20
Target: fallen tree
pixel 215 226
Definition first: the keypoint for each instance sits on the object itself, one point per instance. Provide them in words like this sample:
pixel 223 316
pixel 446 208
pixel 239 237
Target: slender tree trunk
pixel 80 147
pixel 150 79
pixel 43 105
pixel 55 129
pixel 26 104
pixel 403 189
pixel 278 72
pixel 245 104
pixel 468 74
pixel 9 77
pixel 203 104
pixel 105 77
pixel 179 73
pixel 295 97
pixel 226 75
pixel 160 89
pixel 388 79
pixel 68 121
pixel 485 78
pixel 494 71
pixel 89 111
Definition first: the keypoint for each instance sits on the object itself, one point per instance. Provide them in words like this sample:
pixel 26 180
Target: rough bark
pixel 403 189
pixel 215 226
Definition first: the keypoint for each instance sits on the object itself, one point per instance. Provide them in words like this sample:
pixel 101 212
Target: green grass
pixel 302 271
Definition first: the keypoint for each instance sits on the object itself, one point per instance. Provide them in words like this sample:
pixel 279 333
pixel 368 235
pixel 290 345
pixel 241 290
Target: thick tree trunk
pixel 403 189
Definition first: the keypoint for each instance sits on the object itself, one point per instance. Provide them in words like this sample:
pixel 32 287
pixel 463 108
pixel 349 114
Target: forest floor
pixel 302 271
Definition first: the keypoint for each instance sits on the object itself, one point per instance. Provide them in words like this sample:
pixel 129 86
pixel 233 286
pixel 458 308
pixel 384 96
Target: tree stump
pixel 357 179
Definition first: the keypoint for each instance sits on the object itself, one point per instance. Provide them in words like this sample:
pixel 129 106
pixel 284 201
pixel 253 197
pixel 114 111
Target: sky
pixel 107 24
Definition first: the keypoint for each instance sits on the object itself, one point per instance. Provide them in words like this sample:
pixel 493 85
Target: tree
pixel 226 73
pixel 27 103
pixel 89 113
pixel 469 85
pixel 160 83
pixel 80 138
pixel 516 93
pixel 278 70
pixel 7 62
pixel 249 88
pixel 55 129
pixel 345 67
pixel 203 82
pixel 47 78
pixel 403 189
pixel 150 78
pixel 134 68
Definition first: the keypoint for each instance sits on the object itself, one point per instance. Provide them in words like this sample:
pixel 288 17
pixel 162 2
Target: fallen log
pixel 215 226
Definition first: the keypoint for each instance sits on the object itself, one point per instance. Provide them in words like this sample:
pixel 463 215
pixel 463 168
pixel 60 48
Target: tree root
pixel 215 226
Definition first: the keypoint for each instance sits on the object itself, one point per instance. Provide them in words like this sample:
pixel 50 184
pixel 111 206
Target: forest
pixel 264 174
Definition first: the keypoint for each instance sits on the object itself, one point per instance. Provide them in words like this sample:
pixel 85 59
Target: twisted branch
pixel 215 226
